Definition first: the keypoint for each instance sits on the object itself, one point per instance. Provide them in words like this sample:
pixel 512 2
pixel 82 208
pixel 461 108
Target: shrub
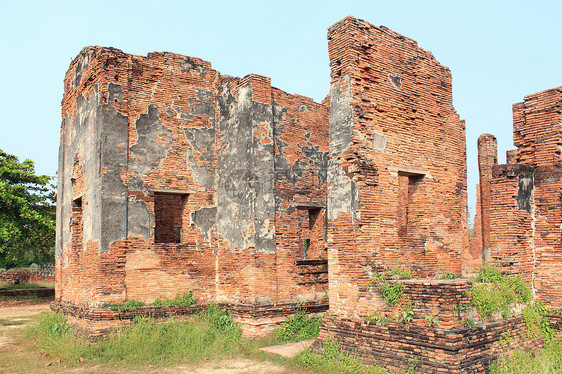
pixel 498 293
pixel 489 274
pixel 299 327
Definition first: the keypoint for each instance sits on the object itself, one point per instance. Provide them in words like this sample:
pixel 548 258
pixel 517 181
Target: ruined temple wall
pixel 301 157
pixel 537 128
pixel 397 177
pixel 511 219
pixel 526 206
pixel 179 164
pixel 547 238
pixel 80 207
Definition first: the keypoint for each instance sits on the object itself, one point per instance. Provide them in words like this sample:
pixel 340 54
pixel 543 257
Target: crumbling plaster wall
pixel 170 125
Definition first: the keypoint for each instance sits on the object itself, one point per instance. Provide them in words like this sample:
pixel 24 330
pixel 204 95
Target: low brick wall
pixel 255 320
pixel 39 292
pixel 15 275
pixel 438 350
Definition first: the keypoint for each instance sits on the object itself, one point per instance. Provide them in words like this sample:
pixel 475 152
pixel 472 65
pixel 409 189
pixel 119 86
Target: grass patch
pixel 333 360
pixel 547 360
pixel 20 286
pixel 401 272
pixel 209 334
pixel 299 327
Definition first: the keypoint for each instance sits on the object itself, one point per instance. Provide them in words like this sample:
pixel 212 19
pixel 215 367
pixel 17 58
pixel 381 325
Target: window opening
pixel 407 186
pixel 76 222
pixel 305 245
pixel 169 213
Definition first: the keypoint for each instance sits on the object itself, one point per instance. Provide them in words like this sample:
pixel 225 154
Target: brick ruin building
pixel 174 178
pixel 519 211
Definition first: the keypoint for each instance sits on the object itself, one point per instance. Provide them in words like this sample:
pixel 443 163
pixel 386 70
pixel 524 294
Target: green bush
pixel 392 292
pixel 180 299
pixel 298 327
pixel 489 274
pixel 498 293
pixel 536 322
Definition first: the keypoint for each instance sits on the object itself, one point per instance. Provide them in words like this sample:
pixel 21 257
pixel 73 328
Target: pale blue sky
pixel 498 51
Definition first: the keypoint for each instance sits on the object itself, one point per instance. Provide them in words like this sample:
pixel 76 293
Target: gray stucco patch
pixel 146 154
pixel 205 219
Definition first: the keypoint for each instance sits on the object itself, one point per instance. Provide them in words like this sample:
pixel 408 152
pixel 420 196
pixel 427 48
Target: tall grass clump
pixel 547 360
pixel 209 334
pixel 298 327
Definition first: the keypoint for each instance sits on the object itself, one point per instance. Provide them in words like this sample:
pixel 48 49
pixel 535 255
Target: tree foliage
pixel 27 213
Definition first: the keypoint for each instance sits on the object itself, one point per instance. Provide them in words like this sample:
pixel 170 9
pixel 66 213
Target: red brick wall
pixel 511 227
pixel 525 195
pixel 391 118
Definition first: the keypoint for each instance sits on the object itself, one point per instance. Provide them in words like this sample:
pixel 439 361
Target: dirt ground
pixel 16 355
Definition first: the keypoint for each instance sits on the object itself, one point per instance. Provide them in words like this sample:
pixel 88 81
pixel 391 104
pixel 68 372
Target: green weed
pixel 126 305
pixel 298 327
pixel 376 317
pixel 535 321
pixel 469 323
pixel 180 299
pixel 401 271
pixel 449 275
pixel 211 333
pixel 405 315
pixel 498 293
pixel 489 274
pixel 431 319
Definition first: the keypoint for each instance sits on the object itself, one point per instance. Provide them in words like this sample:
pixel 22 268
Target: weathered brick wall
pixel 168 183
pixel 511 219
pixel 537 129
pixel 525 198
pixel 391 120
pixel 301 160
pixel 395 346
pixel 547 237
pixel 475 243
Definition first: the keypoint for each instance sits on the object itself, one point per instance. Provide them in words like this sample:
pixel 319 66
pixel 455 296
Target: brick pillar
pixel 487 158
pixel 511 156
